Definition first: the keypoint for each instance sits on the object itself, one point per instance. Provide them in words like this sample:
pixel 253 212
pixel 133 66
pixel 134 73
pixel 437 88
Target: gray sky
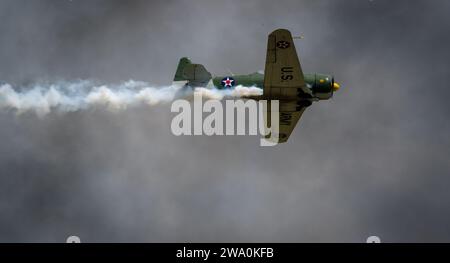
pixel 372 161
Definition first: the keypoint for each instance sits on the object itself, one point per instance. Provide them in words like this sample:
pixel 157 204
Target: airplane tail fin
pixel 194 75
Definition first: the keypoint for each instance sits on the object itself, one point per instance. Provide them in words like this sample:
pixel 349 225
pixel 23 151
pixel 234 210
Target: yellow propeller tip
pixel 336 86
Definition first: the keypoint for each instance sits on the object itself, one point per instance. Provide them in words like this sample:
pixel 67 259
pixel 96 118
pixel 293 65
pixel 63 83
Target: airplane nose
pixel 336 86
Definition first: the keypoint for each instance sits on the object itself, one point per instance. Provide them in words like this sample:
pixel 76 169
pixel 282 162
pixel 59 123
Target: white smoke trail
pixel 238 92
pixel 74 96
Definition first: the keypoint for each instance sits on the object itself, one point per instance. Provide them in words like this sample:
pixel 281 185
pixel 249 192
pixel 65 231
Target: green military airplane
pixel 283 80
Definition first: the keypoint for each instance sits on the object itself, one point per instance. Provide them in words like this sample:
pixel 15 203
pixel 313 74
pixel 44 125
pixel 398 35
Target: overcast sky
pixel 374 160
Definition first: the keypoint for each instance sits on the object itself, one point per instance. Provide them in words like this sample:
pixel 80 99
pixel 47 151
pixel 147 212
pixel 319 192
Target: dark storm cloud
pixel 372 161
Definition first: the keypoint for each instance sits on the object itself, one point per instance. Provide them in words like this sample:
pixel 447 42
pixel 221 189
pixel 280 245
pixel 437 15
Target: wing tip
pixel 281 31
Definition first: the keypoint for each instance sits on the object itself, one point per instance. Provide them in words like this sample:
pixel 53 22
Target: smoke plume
pixel 74 96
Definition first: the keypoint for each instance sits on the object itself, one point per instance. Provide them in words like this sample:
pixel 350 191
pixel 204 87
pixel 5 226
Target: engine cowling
pixel 324 86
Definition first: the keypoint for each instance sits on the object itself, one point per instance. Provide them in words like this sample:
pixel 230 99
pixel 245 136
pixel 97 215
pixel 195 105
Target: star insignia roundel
pixel 228 82
pixel 283 44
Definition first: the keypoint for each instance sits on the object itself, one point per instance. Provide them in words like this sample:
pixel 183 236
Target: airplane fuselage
pixel 321 85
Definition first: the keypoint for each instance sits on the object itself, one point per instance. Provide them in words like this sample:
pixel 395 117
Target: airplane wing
pixel 290 113
pixel 283 78
pixel 283 75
